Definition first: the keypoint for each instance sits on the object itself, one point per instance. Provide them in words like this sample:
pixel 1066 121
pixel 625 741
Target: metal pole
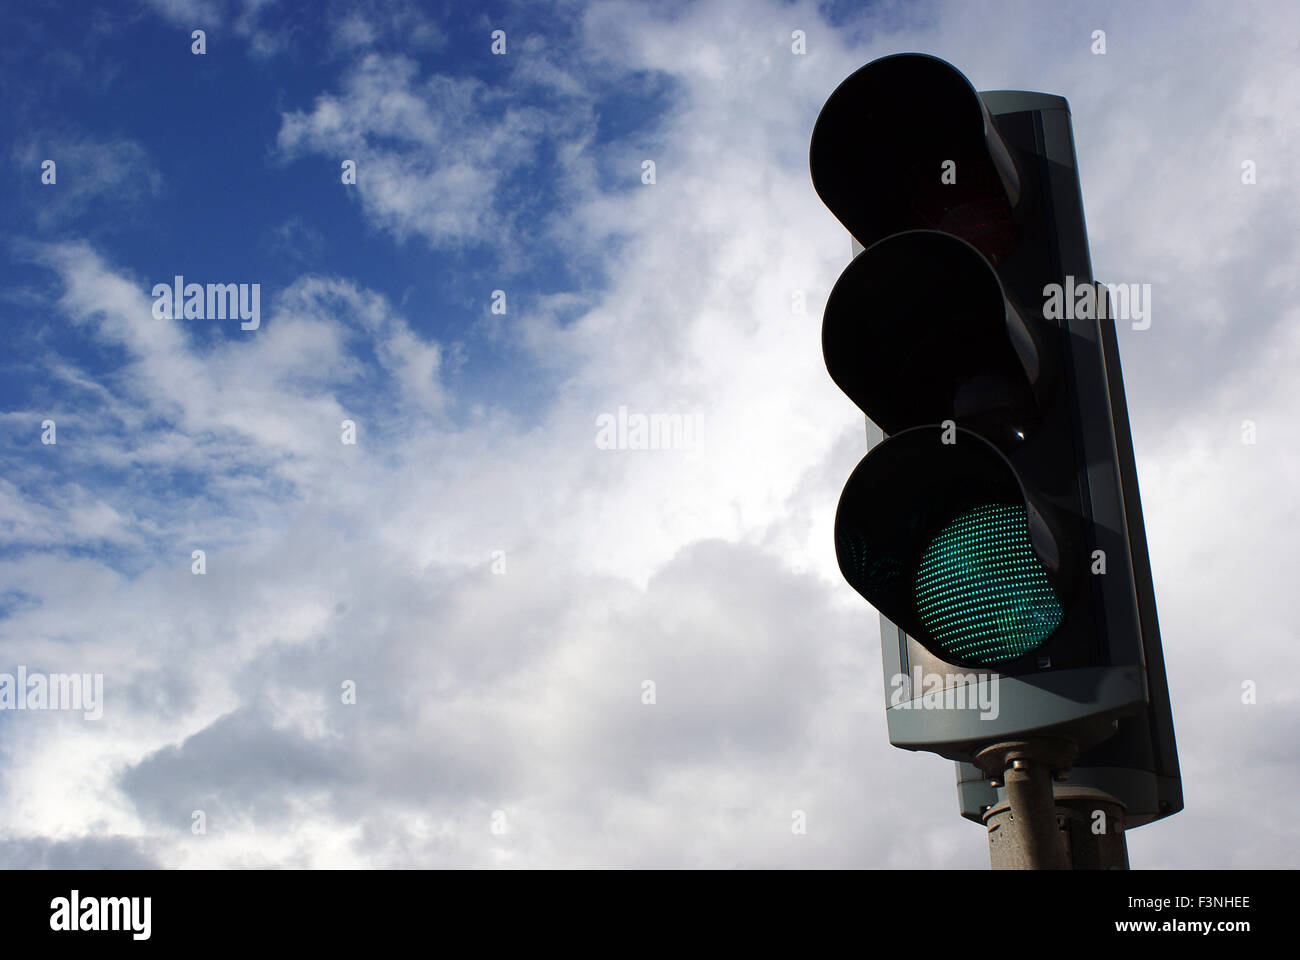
pixel 1094 828
pixel 1024 832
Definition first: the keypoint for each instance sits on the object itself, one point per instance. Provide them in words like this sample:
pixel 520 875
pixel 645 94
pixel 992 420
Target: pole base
pixel 1089 833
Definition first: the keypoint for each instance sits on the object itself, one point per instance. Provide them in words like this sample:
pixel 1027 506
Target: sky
pixel 429 596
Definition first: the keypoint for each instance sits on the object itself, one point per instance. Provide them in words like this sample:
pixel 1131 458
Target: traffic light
pixel 995 523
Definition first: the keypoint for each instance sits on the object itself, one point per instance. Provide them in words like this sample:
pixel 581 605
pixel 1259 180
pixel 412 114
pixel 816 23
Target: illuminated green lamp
pixel 981 592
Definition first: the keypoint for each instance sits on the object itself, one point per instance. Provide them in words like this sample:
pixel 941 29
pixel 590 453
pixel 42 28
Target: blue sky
pixel 186 163
pixel 496 586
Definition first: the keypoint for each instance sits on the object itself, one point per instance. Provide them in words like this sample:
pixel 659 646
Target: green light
pixel 980 589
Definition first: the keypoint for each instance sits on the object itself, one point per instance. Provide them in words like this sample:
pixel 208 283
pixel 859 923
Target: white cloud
pixel 94 177
pixel 431 153
pixel 189 13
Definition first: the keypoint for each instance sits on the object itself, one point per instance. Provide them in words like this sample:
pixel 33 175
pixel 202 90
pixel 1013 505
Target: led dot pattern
pixel 980 589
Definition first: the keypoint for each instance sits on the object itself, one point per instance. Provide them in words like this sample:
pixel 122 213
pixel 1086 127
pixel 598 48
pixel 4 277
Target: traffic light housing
pixel 995 522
